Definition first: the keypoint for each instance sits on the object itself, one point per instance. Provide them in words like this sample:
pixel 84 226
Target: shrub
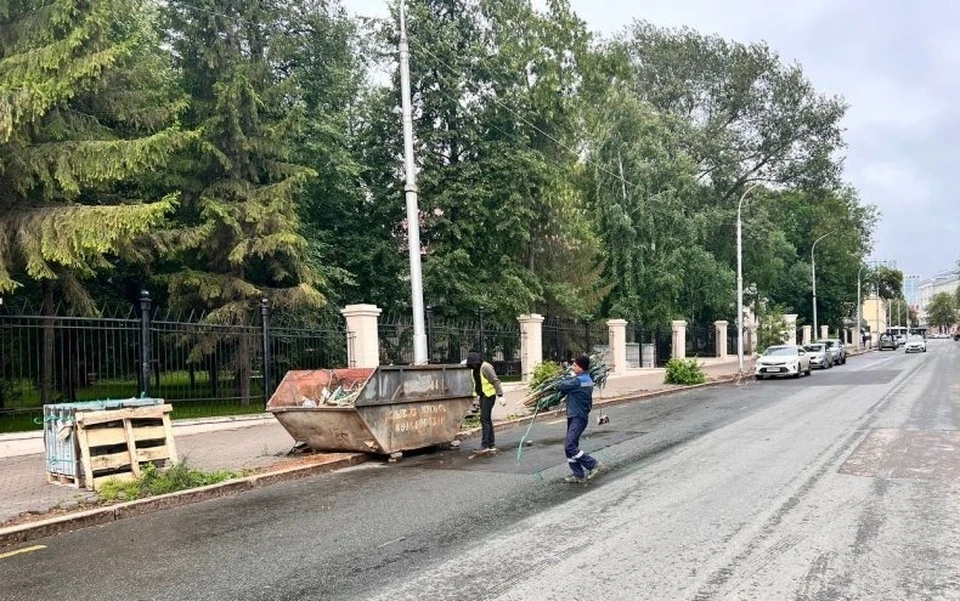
pixel 543 372
pixel 685 372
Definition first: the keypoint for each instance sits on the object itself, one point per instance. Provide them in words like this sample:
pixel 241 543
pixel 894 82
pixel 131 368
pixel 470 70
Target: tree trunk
pixel 49 339
pixel 214 374
pixel 243 369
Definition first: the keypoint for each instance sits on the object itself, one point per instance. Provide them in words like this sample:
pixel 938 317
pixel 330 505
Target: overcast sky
pixel 897 63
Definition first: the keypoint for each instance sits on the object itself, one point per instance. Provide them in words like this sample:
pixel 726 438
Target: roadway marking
pixel 9 554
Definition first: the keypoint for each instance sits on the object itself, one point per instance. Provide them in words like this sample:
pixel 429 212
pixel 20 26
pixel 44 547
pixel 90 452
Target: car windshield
pixel 780 351
pixel 829 343
pixel 814 348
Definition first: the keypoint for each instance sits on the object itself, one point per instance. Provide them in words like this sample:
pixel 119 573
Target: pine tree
pixel 239 230
pixel 87 112
pixel 241 234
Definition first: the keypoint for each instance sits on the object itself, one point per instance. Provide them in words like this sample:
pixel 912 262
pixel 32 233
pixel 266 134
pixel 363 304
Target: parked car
pixel 820 356
pixel 887 342
pixel 901 340
pixel 837 350
pixel 916 344
pixel 784 360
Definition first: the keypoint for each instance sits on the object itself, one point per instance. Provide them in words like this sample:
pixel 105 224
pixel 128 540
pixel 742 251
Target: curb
pixel 14 535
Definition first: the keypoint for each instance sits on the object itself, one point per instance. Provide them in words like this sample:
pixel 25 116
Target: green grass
pixel 173 386
pixel 153 482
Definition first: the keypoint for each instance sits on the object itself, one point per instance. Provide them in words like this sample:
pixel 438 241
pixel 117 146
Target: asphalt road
pixel 843 485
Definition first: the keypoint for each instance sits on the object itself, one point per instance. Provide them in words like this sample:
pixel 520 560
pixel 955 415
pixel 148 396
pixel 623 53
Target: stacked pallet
pixel 116 444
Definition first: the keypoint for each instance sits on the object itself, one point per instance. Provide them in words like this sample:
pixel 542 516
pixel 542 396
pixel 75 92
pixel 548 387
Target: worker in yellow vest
pixel 487 387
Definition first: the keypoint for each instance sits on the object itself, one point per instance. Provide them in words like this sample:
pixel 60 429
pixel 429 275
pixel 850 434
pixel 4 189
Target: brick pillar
pixel 790 335
pixel 824 332
pixel 722 350
pixel 531 344
pixel 679 339
pixel 807 334
pixel 363 337
pixel 617 339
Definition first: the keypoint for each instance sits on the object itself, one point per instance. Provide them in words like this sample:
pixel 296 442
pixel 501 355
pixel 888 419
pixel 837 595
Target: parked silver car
pixel 837 350
pixel 820 356
pixel 784 360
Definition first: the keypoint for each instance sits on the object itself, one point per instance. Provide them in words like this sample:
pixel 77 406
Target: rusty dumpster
pixel 384 410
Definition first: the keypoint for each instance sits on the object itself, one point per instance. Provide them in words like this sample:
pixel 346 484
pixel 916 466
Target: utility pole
pixel 740 281
pixel 410 193
pixel 813 273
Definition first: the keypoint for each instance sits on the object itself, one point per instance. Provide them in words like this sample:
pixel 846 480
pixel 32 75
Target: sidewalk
pixel 259 443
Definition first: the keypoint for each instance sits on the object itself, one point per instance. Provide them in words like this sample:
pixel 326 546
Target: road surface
pixel 842 485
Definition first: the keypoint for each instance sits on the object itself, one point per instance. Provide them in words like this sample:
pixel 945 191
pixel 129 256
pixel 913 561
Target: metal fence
pixel 202 368
pixel 564 339
pixel 449 341
pixel 649 345
pixel 701 340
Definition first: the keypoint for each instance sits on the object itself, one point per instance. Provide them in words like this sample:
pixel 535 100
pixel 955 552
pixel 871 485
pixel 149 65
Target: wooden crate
pixel 115 444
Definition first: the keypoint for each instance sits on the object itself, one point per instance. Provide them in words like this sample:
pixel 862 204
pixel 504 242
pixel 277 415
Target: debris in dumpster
pixel 547 394
pixel 343 395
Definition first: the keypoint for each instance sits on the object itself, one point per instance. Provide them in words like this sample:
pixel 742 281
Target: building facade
pixel 946 281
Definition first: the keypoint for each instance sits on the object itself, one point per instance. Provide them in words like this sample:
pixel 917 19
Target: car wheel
pixel 797 375
pixel 809 370
pixel 758 378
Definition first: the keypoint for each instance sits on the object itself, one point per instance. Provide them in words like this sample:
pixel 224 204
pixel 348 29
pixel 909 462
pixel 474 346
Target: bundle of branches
pixel 547 394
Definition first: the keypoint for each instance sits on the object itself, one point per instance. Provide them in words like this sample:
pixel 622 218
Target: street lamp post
pixel 813 272
pixel 859 310
pixel 740 280
pixel 410 192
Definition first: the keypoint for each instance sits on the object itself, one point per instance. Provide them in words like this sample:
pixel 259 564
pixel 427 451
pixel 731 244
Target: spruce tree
pixel 240 231
pixel 87 112
pixel 241 237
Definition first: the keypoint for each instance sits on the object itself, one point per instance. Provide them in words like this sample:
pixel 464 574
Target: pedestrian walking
pixel 578 390
pixel 488 389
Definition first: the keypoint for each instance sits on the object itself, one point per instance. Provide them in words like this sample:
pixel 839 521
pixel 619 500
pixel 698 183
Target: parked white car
pixel 785 360
pixel 916 344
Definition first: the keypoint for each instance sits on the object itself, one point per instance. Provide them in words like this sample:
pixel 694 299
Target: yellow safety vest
pixel 488 389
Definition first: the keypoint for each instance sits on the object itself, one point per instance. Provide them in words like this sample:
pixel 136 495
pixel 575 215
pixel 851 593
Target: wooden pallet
pixel 65 480
pixel 115 444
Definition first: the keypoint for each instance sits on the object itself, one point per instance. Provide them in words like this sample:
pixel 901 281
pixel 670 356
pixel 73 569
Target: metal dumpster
pixel 393 408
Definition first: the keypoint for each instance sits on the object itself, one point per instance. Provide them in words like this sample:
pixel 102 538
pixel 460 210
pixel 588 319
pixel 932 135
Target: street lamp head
pixel 747 191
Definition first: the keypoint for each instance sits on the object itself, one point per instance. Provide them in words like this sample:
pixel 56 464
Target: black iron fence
pixel 649 345
pixel 202 368
pixel 701 340
pixel 450 341
pixel 732 340
pixel 564 339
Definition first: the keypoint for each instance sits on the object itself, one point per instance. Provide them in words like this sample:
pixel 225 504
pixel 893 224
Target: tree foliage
pixel 88 108
pixel 238 235
pixel 942 311
pixel 256 151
